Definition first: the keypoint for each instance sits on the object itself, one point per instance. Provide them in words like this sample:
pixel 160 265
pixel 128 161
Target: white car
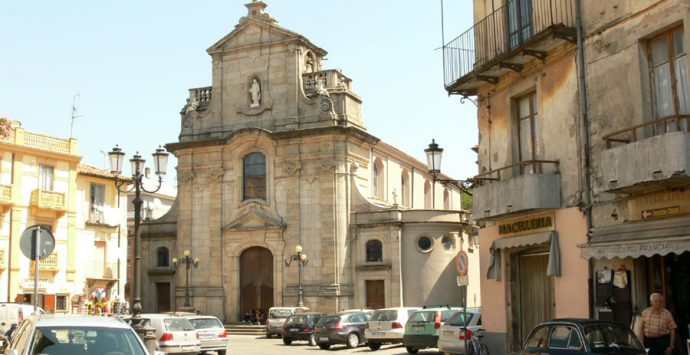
pixel 48 334
pixel 174 334
pixel 212 332
pixel 387 326
pixel 452 334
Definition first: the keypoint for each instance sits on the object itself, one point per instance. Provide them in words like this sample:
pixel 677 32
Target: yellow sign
pixel 659 205
pixel 527 225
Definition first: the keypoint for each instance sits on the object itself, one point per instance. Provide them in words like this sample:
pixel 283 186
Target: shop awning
pixel 554 266
pixel 648 238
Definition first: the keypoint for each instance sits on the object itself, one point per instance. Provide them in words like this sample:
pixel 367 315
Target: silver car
pixel 212 333
pixel 174 334
pixel 276 318
pixel 48 334
pixel 451 339
pixel 387 326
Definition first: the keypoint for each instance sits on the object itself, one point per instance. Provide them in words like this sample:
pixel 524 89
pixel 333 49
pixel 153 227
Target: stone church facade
pixel 275 154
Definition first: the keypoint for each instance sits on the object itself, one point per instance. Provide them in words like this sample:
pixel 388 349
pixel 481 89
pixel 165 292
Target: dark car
pixel 582 336
pixel 301 327
pixel 342 328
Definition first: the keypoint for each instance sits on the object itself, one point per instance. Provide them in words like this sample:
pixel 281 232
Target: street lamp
pixel 188 261
pixel 433 161
pixel 160 162
pixel 302 261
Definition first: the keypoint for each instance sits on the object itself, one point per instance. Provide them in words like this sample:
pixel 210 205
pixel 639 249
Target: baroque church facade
pixel 275 154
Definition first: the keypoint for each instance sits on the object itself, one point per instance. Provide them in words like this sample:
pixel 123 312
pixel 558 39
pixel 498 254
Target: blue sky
pixel 133 61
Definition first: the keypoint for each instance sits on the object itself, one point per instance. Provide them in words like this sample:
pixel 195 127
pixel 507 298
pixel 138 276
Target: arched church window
pixel 446 199
pixel 378 182
pixel 427 195
pixel 163 258
pixel 254 176
pixel 405 188
pixel 374 251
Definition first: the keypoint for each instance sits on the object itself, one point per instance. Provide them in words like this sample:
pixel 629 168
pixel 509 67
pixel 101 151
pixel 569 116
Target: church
pixel 275 154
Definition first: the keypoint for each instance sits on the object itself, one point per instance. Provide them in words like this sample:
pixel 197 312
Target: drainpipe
pixel 9 250
pixel 584 107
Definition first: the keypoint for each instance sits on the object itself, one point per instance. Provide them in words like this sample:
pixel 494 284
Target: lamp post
pixel 302 261
pixel 188 261
pixel 160 160
pixel 434 155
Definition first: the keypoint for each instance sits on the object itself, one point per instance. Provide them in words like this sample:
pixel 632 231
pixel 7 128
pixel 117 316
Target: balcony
pixel 199 99
pixel 101 270
pixel 18 135
pixel 647 157
pixel 49 264
pixel 43 200
pixel 505 41
pixel 527 186
pixel 5 198
pixel 329 79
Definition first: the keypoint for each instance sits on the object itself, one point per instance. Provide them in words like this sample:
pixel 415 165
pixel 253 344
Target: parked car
pixel 456 329
pixel 11 315
pixel 342 328
pixel 174 334
pixel 276 318
pixel 301 327
pixel 48 334
pixel 387 326
pixel 582 336
pixel 423 327
pixel 212 333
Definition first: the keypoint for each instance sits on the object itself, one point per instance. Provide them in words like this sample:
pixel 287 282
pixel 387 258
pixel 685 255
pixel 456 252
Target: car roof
pixel 80 321
pixel 307 314
pixel 193 316
pixel 440 309
pixel 160 315
pixel 398 308
pixel 580 321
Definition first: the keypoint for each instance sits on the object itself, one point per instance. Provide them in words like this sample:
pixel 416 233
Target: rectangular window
pixel 519 21
pixel 61 303
pixel 45 177
pixel 669 77
pixel 528 132
pixel 97 203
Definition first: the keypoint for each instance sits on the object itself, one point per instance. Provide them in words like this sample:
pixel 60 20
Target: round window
pixel 448 243
pixel 425 243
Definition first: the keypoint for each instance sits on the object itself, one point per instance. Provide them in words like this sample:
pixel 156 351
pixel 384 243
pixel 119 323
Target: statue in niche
pixel 255 94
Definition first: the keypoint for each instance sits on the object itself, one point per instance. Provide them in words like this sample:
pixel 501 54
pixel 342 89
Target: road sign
pixel 463 280
pixel 27 242
pixel 462 263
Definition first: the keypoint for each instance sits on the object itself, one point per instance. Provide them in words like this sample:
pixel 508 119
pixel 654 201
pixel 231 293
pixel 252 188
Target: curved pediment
pixel 254 215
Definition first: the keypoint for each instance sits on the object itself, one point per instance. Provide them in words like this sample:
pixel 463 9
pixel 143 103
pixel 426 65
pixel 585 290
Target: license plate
pixel 418 327
pixel 323 339
pixel 294 329
pixel 377 334
pixel 448 333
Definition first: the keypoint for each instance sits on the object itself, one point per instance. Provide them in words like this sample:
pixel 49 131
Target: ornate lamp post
pixel 160 161
pixel 434 154
pixel 302 261
pixel 188 261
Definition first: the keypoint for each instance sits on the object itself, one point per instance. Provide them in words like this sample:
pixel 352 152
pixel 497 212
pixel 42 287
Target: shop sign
pixel 636 249
pixel 659 205
pixel 527 225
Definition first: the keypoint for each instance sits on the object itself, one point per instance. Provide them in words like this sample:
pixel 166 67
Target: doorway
pixel 532 293
pixel 163 296
pixel 376 295
pixel 256 279
pixel 678 281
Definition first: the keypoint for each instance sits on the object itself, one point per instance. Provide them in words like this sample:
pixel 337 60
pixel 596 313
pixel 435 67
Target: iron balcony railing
pixel 673 123
pixel 503 31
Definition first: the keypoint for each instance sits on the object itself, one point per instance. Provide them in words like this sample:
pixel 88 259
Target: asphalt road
pixel 244 344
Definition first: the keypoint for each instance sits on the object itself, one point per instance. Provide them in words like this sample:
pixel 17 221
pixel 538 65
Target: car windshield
pixel 330 320
pixel 85 340
pixel 601 338
pixel 423 316
pixel 206 323
pixel 299 320
pixel 385 315
pixel 279 313
pixel 178 324
pixel 458 319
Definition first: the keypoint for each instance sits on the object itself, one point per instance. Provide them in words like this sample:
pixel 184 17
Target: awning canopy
pixel 552 269
pixel 648 238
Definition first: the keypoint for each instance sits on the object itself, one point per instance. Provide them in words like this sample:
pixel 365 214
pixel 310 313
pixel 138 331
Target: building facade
pixel 43 183
pixel 582 110
pixel 275 154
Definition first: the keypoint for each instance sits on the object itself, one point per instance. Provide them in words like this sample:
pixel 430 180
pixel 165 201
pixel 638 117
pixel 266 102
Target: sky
pixel 132 62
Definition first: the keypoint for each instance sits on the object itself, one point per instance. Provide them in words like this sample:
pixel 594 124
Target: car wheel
pixel 411 349
pixel 374 346
pixel 287 341
pixel 312 340
pixel 221 352
pixel 352 340
pixel 324 346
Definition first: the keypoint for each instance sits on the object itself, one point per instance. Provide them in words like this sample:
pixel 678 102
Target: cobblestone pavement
pixel 245 344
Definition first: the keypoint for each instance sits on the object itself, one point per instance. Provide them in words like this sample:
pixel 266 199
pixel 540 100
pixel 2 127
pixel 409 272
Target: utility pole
pixel 74 115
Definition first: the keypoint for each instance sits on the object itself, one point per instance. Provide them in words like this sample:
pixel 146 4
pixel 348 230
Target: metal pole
pixel 300 292
pixel 186 289
pixel 37 249
pixel 464 313
pixel 136 304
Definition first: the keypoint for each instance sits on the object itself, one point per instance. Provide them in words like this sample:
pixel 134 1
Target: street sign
pixel 27 242
pixel 463 280
pixel 462 263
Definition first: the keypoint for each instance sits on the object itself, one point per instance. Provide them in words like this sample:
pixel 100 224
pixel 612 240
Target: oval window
pixel 448 243
pixel 425 243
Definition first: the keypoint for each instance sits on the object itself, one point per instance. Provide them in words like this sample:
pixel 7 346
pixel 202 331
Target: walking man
pixel 658 327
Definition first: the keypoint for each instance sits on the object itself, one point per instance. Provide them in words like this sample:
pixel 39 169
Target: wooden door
pixel 163 296
pixel 256 279
pixel 376 295
pixel 535 294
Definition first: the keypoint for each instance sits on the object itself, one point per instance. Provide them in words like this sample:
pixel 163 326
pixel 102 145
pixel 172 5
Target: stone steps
pixel 245 329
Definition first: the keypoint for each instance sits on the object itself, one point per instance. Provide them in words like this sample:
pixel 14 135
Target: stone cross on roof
pixel 256 10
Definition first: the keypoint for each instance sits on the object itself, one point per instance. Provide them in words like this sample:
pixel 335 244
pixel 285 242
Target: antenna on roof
pixel 74 115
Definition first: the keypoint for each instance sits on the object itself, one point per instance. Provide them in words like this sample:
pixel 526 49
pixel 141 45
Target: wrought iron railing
pixel 646 129
pixel 521 168
pixel 503 31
